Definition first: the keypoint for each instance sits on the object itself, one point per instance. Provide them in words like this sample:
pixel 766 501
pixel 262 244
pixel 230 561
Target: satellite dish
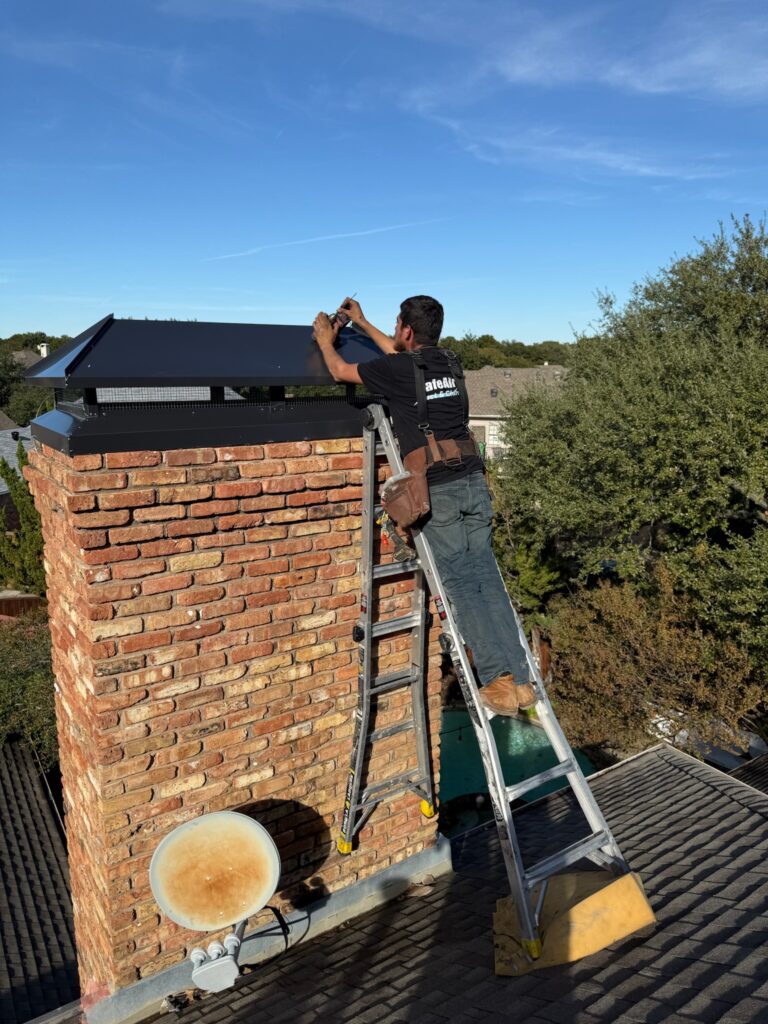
pixel 214 871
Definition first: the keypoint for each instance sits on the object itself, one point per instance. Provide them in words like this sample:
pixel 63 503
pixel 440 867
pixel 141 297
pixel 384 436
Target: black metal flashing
pixel 172 353
pixel 132 385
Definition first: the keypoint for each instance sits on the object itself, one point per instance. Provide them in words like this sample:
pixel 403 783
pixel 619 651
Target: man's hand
pixel 351 308
pixel 324 331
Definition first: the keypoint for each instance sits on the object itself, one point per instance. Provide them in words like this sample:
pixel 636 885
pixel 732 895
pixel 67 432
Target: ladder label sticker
pixel 440 608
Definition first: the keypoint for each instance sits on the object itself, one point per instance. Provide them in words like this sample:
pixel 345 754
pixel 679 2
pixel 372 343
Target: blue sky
pixel 256 160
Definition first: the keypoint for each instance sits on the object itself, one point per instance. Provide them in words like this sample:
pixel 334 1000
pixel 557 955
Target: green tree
pixel 26 403
pixel 27 706
pixel 10 377
pixel 653 457
pixel 21 551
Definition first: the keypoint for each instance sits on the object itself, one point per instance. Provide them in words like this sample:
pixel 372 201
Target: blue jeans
pixel 459 533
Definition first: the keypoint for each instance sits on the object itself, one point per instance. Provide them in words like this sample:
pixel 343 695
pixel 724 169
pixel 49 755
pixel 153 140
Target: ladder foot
pixel 532 947
pixel 344 846
pixel 427 809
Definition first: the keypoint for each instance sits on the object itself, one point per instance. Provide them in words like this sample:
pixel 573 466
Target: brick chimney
pixel 201 605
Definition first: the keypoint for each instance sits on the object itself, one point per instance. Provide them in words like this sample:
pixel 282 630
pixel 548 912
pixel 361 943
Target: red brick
pixel 238 489
pixel 127 499
pixel 134 534
pixel 305 498
pixel 194 666
pixel 200 596
pixel 315 559
pixel 190 457
pixel 239 521
pixel 122 553
pixel 230 606
pixel 211 508
pixel 251 553
pixel 291 450
pixel 198 630
pixel 267 568
pixel 97 481
pixel 176 546
pixel 145 641
pixel 127 460
pixel 163 584
pixel 134 570
pixel 88 520
pixel 158 513
pixel 144 477
pixel 169 495
pixel 85 462
pixel 190 527
pixel 240 453
pixel 282 484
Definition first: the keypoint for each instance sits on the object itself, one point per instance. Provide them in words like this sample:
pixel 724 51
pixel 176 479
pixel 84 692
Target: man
pixel 458 526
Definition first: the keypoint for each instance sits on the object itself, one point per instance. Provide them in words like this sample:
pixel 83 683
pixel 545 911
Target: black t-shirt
pixel 393 377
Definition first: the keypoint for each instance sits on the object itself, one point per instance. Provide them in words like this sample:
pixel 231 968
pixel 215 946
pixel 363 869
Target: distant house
pixel 492 387
pixel 10 435
pixel 26 357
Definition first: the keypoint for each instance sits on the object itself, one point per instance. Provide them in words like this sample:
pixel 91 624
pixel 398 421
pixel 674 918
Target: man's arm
pixel 338 367
pixel 352 309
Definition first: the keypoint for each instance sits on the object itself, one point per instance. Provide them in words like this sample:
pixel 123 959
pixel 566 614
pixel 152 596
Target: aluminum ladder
pixel 599 846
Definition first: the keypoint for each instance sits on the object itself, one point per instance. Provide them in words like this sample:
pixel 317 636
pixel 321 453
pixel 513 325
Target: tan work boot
pixel 500 696
pixel 526 696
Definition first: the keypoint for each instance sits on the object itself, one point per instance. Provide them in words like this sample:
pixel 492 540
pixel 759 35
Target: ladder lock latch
pixel 358 634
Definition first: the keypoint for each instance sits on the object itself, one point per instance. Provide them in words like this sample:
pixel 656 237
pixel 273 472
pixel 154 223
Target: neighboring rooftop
pixel 26 357
pixel 698 838
pixel 9 447
pixel 491 387
pixel 38 970
pixel 754 773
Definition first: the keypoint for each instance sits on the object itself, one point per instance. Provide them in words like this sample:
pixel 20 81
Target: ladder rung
pixel 392 681
pixel 397 625
pixel 564 858
pixel 395 568
pixel 391 730
pixel 407 780
pixel 513 792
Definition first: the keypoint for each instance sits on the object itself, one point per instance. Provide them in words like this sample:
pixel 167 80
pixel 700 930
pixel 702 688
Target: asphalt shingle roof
pixel 508 383
pixel 754 773
pixel 699 839
pixel 38 971
pixel 9 448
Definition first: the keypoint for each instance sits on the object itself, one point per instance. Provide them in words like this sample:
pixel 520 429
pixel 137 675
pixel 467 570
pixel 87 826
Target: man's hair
pixel 424 315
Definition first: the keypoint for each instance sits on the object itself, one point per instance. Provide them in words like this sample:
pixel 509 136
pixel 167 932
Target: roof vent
pixel 507 375
pixel 494 392
pixel 127 385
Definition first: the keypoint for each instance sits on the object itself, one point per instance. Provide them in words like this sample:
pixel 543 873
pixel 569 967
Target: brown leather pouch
pixel 405 497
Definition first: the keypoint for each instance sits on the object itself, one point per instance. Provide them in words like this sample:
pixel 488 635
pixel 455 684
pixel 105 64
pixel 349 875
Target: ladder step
pixel 391 730
pixel 396 568
pixel 398 783
pixel 517 790
pixel 564 858
pixel 392 681
pixel 397 625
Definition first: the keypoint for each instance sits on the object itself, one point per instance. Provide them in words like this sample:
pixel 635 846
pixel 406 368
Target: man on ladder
pixel 427 399
pixel 554 915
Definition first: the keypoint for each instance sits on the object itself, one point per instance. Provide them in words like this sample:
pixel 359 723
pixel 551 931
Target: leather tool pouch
pixel 405 497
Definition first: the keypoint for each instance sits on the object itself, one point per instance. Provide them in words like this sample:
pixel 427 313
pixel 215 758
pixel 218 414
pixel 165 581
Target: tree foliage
pixel 477 351
pixel 27 704
pixel 21 551
pixel 650 463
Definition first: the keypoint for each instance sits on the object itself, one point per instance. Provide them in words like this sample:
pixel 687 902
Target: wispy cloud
pixel 696 47
pixel 322 238
pixel 552 147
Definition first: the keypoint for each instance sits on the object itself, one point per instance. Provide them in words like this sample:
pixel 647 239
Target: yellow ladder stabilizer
pixel 583 912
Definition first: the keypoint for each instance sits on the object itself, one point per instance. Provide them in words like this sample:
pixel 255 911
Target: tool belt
pixel 405 496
